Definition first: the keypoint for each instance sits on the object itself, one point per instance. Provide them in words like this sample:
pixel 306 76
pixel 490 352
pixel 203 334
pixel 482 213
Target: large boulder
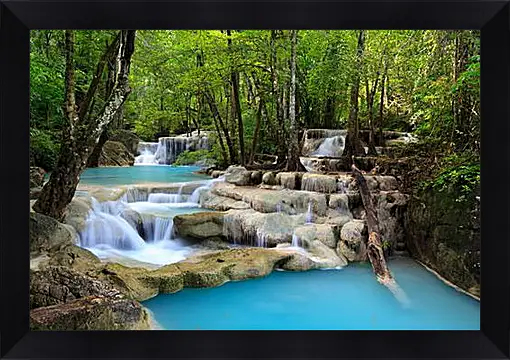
pixel 269 178
pixel 289 180
pixel 387 183
pixel 325 233
pixel 115 153
pixel 36 176
pixel 201 225
pixel 58 284
pixel 129 139
pixel 208 200
pixel 238 175
pixel 77 212
pixel 74 257
pixel 391 208
pixel 47 234
pixel 234 264
pixel 353 237
pixel 91 313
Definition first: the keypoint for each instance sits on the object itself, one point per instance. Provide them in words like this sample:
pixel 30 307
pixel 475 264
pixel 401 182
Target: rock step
pixel 322 183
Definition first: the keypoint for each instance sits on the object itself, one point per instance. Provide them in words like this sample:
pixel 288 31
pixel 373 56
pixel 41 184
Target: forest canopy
pixel 237 84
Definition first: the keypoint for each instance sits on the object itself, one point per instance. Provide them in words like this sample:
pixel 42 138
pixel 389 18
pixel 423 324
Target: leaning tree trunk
pixel 293 160
pixel 353 144
pixel 82 132
pixel 374 248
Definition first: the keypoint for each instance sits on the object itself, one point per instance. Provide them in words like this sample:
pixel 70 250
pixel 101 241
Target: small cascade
pixel 160 198
pixel 195 196
pixel 342 186
pixel 279 207
pixel 331 147
pixel 169 148
pixel 105 227
pixel 147 152
pixel 157 228
pixel 134 194
pixel 296 242
pixel 261 238
pixel 309 214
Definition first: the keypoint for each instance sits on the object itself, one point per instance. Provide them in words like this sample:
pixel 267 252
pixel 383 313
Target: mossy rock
pixel 91 313
pixel 202 225
pixel 47 234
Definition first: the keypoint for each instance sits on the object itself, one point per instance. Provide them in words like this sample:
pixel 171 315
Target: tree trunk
pixel 240 128
pixel 257 131
pixel 236 105
pixel 293 160
pixel 370 108
pixel 220 140
pixel 280 122
pixel 374 249
pixel 83 132
pixel 353 146
pixel 381 108
pixel 216 114
pixel 93 160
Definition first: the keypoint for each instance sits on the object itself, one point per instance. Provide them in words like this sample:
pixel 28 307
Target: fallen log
pixel 374 247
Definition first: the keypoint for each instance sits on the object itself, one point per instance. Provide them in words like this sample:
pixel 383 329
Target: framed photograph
pixel 286 179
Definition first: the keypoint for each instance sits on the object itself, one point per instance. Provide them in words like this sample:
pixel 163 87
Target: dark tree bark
pixel 370 108
pixel 353 146
pixel 374 249
pixel 93 160
pixel 329 112
pixel 257 131
pixel 280 121
pixel 82 132
pixel 236 105
pixel 380 137
pixel 293 160
pixel 222 125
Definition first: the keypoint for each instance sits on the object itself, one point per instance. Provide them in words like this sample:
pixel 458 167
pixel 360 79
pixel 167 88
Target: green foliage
pixel 202 157
pixel 459 174
pixel 431 83
pixel 43 149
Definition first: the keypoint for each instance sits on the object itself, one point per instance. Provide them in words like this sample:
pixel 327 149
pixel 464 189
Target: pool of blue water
pixel 346 299
pixel 140 174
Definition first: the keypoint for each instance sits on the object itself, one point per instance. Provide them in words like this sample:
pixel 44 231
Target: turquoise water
pixel 140 174
pixel 347 299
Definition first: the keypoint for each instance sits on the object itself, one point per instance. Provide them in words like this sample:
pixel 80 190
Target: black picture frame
pixel 18 17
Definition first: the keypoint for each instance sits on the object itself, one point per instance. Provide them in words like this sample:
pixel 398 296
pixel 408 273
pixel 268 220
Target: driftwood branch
pixel 374 247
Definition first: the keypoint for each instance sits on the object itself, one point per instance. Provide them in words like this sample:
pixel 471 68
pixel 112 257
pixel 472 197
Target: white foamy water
pixel 139 226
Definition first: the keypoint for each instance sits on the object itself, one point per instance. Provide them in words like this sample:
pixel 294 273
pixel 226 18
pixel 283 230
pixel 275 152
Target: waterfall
pixel 105 226
pixel 279 207
pixel 157 228
pixel 195 196
pixel 134 194
pixel 166 198
pixel 309 213
pixel 167 149
pixel 147 152
pixel 342 186
pixel 331 146
pixel 295 240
